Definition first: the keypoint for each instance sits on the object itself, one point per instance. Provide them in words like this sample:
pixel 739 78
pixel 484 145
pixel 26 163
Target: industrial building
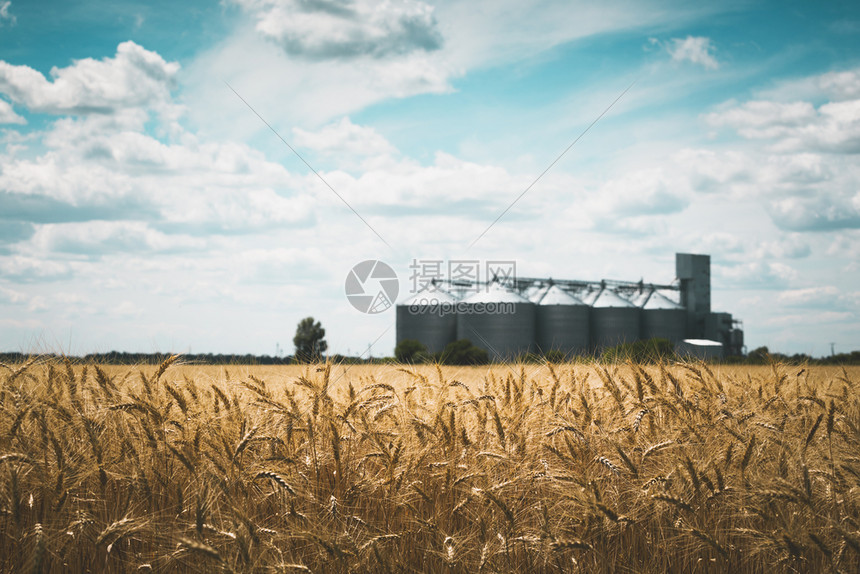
pixel 513 316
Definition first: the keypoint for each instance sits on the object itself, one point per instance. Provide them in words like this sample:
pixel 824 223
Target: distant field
pixel 511 468
pixel 469 375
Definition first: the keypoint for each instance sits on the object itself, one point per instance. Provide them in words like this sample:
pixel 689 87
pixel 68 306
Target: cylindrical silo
pixel 663 318
pixel 562 323
pixel 428 317
pixel 614 320
pixel 499 321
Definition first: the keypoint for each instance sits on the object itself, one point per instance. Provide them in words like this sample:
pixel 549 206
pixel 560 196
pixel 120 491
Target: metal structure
pixel 694 274
pixel 562 322
pixel 662 318
pixel 498 320
pixel 578 317
pixel 428 317
pixel 614 320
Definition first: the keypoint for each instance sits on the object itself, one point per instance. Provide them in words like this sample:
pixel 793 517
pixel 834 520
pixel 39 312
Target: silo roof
pixel 555 295
pixel 609 298
pixel 639 298
pixel 589 296
pixel 534 292
pixel 495 293
pixel 432 294
pixel 660 301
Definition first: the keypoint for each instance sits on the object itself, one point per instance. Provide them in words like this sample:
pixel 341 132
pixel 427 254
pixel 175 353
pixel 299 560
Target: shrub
pixel 463 352
pixel 411 351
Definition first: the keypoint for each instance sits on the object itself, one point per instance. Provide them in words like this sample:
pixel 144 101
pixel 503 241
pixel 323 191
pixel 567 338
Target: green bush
pixel 462 352
pixel 411 351
pixel 646 351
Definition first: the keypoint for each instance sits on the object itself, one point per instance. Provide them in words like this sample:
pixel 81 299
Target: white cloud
pixel 11 296
pixel 6 17
pixel 787 246
pixel 822 212
pixel 26 269
pixel 800 157
pixel 835 86
pixel 695 49
pixel 810 296
pixel 796 321
pixel 346 29
pixel 449 185
pixel 832 127
pixel 97 237
pixel 654 191
pixel 290 91
pixel 8 115
pixel 344 138
pixel 98 167
pixel 843 85
pixel 756 274
pixel 135 77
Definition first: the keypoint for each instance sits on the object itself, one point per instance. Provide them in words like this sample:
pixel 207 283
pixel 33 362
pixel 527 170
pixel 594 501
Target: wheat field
pixel 509 468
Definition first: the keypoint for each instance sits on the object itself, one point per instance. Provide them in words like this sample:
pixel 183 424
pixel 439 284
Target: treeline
pixel 762 356
pixel 646 351
pixel 123 358
pixel 457 353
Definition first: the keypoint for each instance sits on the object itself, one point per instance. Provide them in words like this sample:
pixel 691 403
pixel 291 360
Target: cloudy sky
pixel 145 207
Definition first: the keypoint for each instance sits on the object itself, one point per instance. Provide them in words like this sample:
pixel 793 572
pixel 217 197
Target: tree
pixel 759 356
pixel 410 351
pixel 309 341
pixel 463 352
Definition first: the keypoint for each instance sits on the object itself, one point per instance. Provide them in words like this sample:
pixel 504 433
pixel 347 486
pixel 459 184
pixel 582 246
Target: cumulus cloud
pixel 344 138
pixel 99 237
pixel 844 85
pixel 28 269
pixel 449 185
pixel 835 86
pixel 8 115
pixel 817 213
pixel 108 168
pixel 832 127
pixel 322 29
pixel 695 49
pixel 646 192
pixel 756 275
pixel 825 295
pixel 290 91
pixel 800 160
pixel 134 77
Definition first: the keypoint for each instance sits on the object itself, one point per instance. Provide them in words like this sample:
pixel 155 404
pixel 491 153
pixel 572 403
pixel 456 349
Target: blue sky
pixel 144 207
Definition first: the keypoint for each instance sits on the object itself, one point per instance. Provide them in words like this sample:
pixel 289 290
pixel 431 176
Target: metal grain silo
pixel 562 323
pixel 614 320
pixel 429 317
pixel 663 318
pixel 499 321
